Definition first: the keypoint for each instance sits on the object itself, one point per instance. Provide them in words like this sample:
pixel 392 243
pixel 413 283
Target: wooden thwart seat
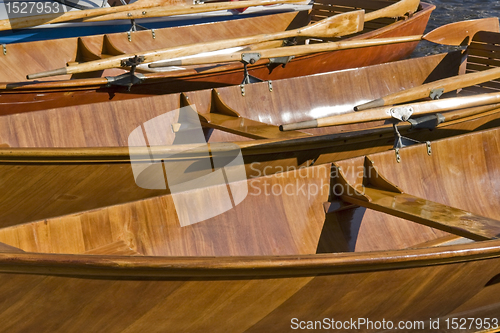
pixel 381 195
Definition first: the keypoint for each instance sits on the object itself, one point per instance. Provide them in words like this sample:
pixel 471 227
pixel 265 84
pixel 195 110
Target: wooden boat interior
pixel 73 169
pixel 302 211
pixel 330 222
pixel 252 112
pixel 19 61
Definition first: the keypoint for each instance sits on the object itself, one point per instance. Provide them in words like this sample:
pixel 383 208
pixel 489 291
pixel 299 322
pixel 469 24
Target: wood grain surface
pixel 85 168
pixel 29 96
pixel 225 273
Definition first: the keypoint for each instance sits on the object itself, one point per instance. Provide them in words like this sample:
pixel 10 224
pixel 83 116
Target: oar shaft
pixel 384 113
pixel 395 10
pixel 341 24
pixel 421 108
pixel 155 55
pixel 423 91
pixel 337 25
pixel 150 56
pixel 290 51
pixel 464 113
pixel 181 10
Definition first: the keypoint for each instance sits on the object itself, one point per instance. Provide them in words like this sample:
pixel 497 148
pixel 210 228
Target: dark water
pixel 448 11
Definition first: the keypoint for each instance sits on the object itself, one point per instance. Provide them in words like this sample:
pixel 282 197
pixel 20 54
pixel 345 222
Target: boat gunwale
pixel 99 82
pixel 73 155
pixel 243 266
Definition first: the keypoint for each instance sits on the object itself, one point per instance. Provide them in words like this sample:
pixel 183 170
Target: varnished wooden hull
pixel 73 159
pixel 132 268
pixel 74 29
pixel 18 96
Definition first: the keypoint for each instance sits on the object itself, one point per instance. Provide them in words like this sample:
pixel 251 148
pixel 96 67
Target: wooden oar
pixel 138 9
pixel 423 91
pixel 449 34
pixel 395 10
pixel 448 84
pixel 180 10
pixel 383 113
pixel 284 51
pixel 337 25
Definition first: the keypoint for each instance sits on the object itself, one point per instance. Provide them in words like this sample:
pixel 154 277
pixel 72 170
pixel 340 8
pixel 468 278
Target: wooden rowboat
pixel 17 95
pixel 173 13
pixel 277 261
pixel 66 160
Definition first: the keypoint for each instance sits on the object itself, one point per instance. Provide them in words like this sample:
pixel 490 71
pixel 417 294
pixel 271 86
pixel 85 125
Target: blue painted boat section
pixel 36 34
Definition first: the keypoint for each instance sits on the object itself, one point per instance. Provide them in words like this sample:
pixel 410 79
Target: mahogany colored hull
pixel 92 139
pixel 59 94
pixel 132 268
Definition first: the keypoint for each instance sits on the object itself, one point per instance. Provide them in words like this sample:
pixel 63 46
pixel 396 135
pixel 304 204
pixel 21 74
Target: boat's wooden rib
pixel 86 52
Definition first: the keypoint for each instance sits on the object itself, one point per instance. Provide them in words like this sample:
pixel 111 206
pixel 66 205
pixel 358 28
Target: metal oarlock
pixel 249 58
pixel 135 27
pixel 402 141
pixel 128 79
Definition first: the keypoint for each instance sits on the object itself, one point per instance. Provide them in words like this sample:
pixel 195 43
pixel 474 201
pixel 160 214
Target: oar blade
pixel 398 9
pixel 461 33
pixel 337 25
